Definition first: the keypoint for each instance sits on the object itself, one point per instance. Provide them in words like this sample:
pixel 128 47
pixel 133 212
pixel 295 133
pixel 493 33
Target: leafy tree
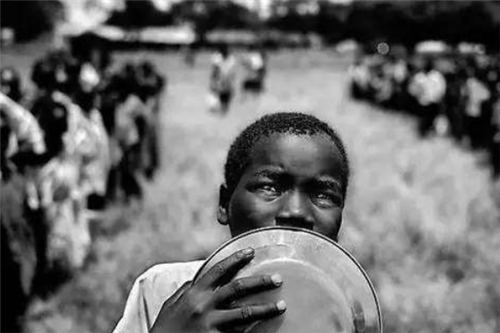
pixel 293 16
pixel 30 18
pixel 215 14
pixel 331 21
pixel 408 23
pixel 139 14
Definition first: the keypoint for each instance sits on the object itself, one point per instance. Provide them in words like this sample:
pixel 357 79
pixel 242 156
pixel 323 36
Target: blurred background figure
pixel 450 92
pixel 254 63
pixel 151 86
pixel 131 119
pixel 190 54
pixel 222 80
pixel 495 139
pixel 96 158
pixel 428 86
pixel 10 84
pixel 476 95
pixel 21 144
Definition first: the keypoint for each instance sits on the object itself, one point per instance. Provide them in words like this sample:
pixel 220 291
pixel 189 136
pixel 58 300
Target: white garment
pixel 477 93
pixel 360 75
pixel 400 71
pixel 96 166
pixel 428 88
pixel 254 64
pixel 86 142
pixel 150 291
pixel 127 113
pixel 89 77
pixel 224 73
pixel 62 201
pixel 26 133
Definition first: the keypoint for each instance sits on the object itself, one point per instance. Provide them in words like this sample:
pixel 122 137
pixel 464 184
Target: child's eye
pixel 326 199
pixel 268 188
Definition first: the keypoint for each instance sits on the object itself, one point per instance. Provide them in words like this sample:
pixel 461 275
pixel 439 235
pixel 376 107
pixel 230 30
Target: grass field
pixel 423 217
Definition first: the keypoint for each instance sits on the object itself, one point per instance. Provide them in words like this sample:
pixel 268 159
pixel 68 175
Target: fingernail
pixel 277 280
pixel 248 251
pixel 281 306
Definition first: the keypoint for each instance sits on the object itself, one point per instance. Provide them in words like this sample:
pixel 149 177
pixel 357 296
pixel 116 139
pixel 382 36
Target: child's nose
pixel 295 211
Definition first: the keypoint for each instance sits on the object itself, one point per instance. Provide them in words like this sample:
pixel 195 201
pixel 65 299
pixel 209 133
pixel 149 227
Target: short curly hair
pixel 238 157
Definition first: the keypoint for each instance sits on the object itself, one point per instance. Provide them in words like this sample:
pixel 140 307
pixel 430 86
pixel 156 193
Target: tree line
pixel 401 22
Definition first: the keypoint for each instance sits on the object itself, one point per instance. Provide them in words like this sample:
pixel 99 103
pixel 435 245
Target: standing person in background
pixel 24 126
pixel 131 118
pixel 59 192
pixel 255 66
pixel 428 86
pixel 477 94
pixel 151 86
pixel 95 148
pixel 11 84
pixel 494 145
pixel 190 54
pixel 110 99
pixel 222 77
pixel 383 84
pixel 400 75
pixel 21 145
pixel 360 78
pixel 18 243
pixel 454 100
pixel 60 196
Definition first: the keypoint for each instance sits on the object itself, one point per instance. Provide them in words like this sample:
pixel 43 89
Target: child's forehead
pixel 290 144
pixel 303 156
pixel 298 138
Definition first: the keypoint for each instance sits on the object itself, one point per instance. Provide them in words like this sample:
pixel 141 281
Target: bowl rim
pixel 300 230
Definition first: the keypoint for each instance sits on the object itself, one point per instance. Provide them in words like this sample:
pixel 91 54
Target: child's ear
pixel 222 211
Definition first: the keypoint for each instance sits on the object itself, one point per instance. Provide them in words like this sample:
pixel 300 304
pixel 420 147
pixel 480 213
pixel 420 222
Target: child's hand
pixel 205 306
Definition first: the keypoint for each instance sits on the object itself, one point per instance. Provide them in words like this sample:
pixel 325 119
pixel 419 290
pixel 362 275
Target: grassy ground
pixel 422 216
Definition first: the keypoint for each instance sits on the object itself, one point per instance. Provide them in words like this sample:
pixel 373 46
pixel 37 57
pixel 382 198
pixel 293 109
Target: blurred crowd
pixel 224 67
pixel 85 137
pixel 453 93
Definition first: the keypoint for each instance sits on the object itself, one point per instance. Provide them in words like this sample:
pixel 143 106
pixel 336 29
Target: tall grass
pixel 420 217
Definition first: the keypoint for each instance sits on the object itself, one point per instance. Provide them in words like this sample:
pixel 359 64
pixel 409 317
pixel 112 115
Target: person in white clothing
pixel 428 87
pixel 476 95
pixel 254 64
pixel 222 77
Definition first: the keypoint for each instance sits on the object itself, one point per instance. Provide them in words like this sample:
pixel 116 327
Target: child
pixel 286 169
pixel 254 63
pixel 222 79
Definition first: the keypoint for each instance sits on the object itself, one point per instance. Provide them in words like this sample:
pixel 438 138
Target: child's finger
pixel 245 286
pixel 225 269
pixel 248 314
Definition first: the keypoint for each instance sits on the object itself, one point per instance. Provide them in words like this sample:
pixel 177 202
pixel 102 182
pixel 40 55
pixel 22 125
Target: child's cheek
pixel 328 223
pixel 261 213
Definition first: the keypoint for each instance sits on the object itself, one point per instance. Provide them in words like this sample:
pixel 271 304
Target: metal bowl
pixel 324 287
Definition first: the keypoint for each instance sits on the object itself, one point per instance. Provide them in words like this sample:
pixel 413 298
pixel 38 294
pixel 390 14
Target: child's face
pixel 292 180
